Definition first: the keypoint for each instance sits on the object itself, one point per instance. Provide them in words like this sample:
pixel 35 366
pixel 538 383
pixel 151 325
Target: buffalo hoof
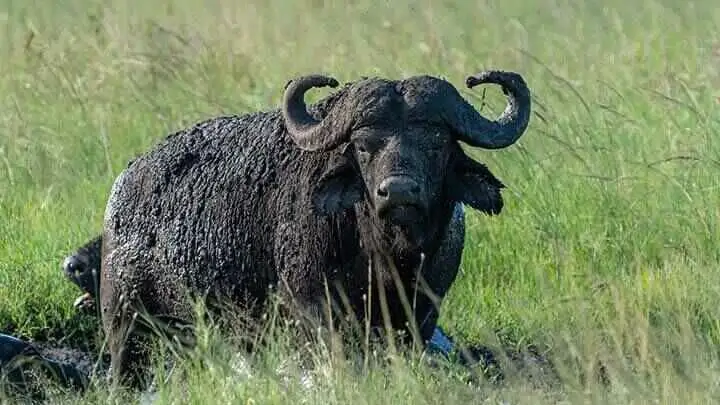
pixel 476 358
pixel 22 366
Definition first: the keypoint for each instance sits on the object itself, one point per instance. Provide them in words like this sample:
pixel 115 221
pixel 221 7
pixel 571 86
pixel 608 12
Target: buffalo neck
pixel 386 250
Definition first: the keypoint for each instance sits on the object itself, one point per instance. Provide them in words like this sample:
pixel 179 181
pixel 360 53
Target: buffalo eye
pixel 367 145
pixel 362 153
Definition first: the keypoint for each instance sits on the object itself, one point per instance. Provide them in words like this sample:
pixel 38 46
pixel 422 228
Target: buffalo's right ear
pixel 473 184
pixel 338 189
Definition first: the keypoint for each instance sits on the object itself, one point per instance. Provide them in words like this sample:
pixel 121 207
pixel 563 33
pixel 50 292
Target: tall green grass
pixel 605 253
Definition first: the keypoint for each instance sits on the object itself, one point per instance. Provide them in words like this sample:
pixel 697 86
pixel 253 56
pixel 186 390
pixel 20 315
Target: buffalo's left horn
pixel 307 132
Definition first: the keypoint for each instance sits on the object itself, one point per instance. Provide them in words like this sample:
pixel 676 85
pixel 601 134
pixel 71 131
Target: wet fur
pixel 231 209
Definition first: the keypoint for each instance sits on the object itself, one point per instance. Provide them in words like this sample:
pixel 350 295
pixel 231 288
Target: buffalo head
pixel 400 143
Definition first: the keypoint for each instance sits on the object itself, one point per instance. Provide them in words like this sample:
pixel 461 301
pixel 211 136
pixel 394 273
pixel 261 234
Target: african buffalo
pixel 356 200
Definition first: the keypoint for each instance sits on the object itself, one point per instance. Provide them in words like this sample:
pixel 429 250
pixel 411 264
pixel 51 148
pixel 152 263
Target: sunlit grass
pixel 606 252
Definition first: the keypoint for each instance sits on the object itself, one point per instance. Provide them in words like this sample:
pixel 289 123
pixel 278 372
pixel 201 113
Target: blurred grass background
pixel 606 250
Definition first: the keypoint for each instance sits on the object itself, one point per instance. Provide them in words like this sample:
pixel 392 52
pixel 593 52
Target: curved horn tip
pixel 319 80
pixel 495 76
pixel 308 81
pixel 326 81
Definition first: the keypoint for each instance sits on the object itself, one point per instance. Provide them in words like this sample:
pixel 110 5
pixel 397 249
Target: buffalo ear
pixel 338 189
pixel 474 185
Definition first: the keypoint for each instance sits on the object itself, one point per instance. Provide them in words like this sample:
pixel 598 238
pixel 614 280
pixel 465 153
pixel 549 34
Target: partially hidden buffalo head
pixel 400 144
pixel 83 269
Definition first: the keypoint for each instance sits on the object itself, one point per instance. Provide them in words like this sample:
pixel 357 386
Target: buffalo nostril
pixel 398 190
pixel 382 191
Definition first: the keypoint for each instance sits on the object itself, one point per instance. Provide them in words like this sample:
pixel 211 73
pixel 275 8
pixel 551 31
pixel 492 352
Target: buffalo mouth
pixel 403 214
pixel 408 219
pixel 84 303
pixel 86 282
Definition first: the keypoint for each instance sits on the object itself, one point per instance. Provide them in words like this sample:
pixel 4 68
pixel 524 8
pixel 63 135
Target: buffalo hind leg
pixel 129 350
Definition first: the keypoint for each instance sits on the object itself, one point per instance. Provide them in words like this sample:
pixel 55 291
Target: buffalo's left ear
pixel 338 189
pixel 473 184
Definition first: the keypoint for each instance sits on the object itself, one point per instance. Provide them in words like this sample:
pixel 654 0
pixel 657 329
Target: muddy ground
pixel 85 361
pixel 87 357
pixel 484 362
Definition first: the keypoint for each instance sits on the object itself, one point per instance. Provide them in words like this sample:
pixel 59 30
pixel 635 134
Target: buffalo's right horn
pixel 307 132
pixel 476 130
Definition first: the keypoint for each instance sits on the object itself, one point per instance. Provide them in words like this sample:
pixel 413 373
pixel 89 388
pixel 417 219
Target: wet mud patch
pixel 67 355
pixel 86 362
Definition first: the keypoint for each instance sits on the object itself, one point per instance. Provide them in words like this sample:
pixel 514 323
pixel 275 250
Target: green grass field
pixel 606 251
